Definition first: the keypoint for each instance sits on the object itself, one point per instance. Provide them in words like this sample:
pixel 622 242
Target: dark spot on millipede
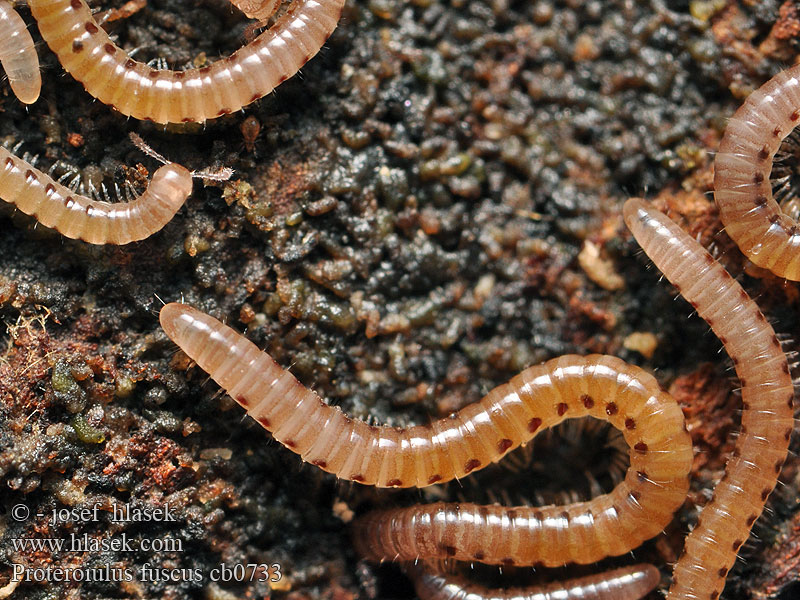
pixel 562 408
pixel 760 200
pixel 479 556
pixel 504 445
pixel 788 434
pixel 792 230
pixel 75 4
pixel 448 550
pixel 31 176
pixel 49 189
pixel 736 545
pixel 630 423
pixel 564 515
pixel 110 49
pixel 130 63
pixel 508 561
pixel 611 409
pixel 534 424
pixel 735 361
pixel 77 46
pixel 776 132
pixel 641 475
pixel 758 177
pixel 179 74
pixel 204 70
pixel 471 465
pixel 282 79
pixel 538 515
pixel 774 219
pixel 394 483
pixel 795 115
pixel 255 97
pixel 790 402
pixel 434 478
pixel 187 120
pixel 152 73
pixel 742 430
pixel 359 478
pixel 765 493
pixel 722 572
pixel 641 447
pixel 714 595
pixel 91 28
pixel 751 519
pixel 746 405
pixel 763 154
pixel 587 400
pixel 289 443
pixel 264 421
pixel 319 463
pixel 743 381
pixel 511 514
pixel 483 511
pixel 736 453
pixel 635 495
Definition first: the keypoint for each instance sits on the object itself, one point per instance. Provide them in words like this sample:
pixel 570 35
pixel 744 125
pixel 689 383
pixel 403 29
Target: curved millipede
pixel 109 74
pixel 626 583
pixel 767 396
pixel 95 222
pixel 18 55
pixel 510 415
pixel 742 168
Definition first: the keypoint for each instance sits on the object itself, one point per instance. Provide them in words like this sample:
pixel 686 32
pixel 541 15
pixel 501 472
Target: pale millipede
pixel 767 397
pixel 625 583
pixel 742 168
pixel 18 55
pixel 74 216
pixel 109 74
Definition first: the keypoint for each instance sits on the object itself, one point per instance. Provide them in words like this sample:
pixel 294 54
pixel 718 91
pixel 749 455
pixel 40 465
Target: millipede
pixel 18 55
pixel 742 169
pixel 96 222
pixel 767 399
pixel 134 89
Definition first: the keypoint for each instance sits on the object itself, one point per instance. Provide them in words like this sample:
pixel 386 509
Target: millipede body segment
pixel 109 74
pixel 93 221
pixel 767 397
pixel 18 55
pixel 742 169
